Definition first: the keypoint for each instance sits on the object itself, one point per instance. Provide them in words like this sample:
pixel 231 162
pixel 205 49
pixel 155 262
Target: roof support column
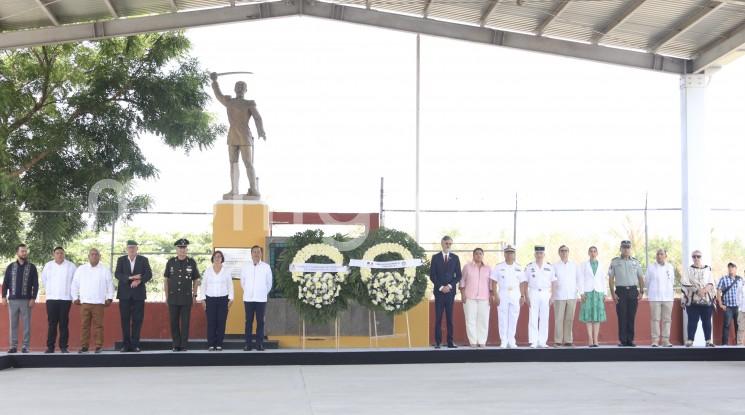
pixel 696 231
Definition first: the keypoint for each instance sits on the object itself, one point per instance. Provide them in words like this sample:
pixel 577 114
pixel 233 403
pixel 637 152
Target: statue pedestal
pixel 239 224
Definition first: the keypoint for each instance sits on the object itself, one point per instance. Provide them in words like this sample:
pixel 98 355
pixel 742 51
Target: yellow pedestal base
pixel 239 224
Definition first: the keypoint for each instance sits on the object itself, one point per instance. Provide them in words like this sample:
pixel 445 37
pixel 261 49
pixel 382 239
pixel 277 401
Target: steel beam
pixel 685 24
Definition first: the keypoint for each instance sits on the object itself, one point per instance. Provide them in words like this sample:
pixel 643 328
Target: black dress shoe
pixel 98 350
pixel 260 348
pixel 49 351
pixel 124 349
pixel 137 350
pixel 12 350
pixel 247 348
pixel 83 350
pixel 176 349
pixel 64 350
pixel 182 349
pixel 452 346
pixel 630 345
pixel 621 344
pixel 437 346
pixel 24 350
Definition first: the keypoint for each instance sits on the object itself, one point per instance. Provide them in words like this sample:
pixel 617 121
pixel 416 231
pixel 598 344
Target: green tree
pixel 71 115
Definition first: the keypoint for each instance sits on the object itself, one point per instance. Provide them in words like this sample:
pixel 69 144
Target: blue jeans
pixel 730 314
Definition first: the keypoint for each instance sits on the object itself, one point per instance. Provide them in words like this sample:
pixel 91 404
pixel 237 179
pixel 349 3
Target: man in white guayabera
pixel 240 111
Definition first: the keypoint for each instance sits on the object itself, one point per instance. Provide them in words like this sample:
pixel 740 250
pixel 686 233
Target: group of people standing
pixel 543 286
pixel 91 286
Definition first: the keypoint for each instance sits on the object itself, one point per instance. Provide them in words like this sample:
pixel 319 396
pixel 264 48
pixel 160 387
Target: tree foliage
pixel 73 114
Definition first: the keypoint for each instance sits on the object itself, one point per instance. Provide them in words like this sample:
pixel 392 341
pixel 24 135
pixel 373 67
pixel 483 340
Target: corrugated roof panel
pixel 140 7
pixel 73 11
pixel 410 7
pixel 202 4
pixel 21 14
pixel 563 30
pixel 712 28
pixel 653 20
pixel 456 11
pixel 510 16
pixel 580 19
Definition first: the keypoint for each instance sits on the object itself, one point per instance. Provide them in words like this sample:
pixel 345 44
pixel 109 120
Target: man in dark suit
pixel 445 274
pixel 132 272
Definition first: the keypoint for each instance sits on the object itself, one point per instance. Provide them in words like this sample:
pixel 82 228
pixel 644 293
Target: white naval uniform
pixel 539 281
pixel 508 279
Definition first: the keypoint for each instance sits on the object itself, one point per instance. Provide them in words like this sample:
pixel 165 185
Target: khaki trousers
pixel 661 311
pixel 94 313
pixel 564 321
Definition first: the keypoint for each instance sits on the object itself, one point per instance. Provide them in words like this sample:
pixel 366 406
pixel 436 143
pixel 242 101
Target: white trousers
pixel 477 321
pixel 508 312
pixel 539 310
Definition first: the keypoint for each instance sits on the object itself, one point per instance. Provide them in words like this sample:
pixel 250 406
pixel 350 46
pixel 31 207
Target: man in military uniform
pixel 506 296
pixel 536 288
pixel 627 287
pixel 180 285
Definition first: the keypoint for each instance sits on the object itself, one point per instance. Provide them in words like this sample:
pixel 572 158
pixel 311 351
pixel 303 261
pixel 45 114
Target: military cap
pixel 131 242
pixel 182 242
pixel 625 244
pixel 509 248
pixel 540 248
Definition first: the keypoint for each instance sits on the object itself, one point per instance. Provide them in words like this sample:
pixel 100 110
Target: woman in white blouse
pixel 592 280
pixel 216 295
pixel 698 298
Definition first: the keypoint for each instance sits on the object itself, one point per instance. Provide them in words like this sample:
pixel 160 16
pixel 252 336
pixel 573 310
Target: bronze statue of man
pixel 240 140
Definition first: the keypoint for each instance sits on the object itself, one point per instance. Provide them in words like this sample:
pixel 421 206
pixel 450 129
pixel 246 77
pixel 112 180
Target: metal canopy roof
pixel 677 36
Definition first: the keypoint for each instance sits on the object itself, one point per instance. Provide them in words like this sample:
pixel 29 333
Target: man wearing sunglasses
pixel 627 287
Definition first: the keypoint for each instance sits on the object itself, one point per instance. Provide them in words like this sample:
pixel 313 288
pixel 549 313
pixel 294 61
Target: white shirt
pixel 539 278
pixel 587 281
pixel 216 285
pixel 132 263
pixel 93 285
pixel 508 279
pixel 256 281
pixel 57 280
pixel 659 281
pixel 565 287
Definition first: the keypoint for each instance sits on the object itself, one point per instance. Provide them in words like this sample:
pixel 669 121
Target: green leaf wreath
pixel 294 290
pixel 388 290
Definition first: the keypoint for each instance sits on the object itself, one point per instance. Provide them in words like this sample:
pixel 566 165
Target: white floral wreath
pixel 390 290
pixel 318 288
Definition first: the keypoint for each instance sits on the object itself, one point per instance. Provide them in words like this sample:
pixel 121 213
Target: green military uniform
pixel 180 275
pixel 626 273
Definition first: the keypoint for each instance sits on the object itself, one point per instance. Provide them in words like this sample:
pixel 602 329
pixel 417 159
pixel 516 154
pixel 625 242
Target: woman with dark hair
pixel 475 293
pixel 592 281
pixel 216 295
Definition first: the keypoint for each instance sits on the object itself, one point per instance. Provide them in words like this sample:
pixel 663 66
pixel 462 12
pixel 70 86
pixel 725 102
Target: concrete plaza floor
pixel 489 388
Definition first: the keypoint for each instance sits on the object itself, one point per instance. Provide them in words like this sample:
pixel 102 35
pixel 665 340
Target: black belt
pixel 627 287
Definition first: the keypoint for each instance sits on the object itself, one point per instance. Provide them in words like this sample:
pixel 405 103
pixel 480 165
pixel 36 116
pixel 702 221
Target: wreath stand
pixel 372 329
pixel 337 332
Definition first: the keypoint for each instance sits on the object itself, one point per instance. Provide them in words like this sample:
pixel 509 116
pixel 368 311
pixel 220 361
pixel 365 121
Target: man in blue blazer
pixel 445 274
pixel 133 272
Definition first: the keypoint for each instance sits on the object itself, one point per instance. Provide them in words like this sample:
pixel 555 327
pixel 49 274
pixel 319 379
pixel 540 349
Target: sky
pixel 338 103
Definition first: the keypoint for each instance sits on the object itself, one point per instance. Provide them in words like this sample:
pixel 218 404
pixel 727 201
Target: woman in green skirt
pixel 593 282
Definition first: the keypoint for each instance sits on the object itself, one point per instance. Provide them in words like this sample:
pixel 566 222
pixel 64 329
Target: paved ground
pixel 505 388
